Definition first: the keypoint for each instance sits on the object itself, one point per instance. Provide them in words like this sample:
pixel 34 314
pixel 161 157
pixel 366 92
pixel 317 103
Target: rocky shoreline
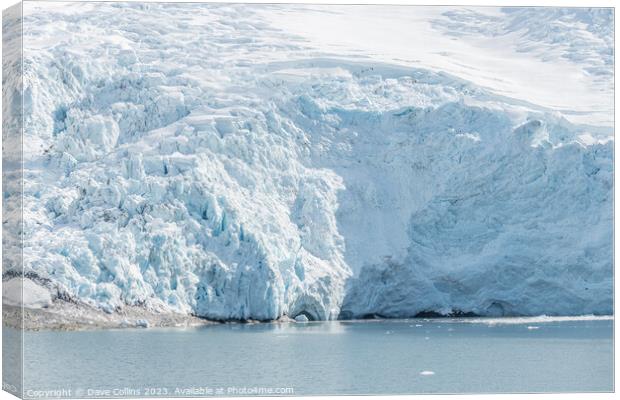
pixel 66 316
pixel 70 316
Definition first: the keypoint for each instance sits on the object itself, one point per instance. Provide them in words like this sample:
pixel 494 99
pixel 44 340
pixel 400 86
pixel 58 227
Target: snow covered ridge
pixel 582 35
pixel 194 158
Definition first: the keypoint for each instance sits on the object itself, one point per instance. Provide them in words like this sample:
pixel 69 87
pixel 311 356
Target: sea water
pixel 357 357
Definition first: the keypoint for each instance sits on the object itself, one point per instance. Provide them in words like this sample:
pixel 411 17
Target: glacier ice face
pixel 515 229
pixel 210 164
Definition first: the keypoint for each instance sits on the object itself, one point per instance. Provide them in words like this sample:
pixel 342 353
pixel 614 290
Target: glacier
pixel 203 159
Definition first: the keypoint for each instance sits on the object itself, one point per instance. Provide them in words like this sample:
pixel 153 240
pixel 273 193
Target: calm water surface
pixel 375 357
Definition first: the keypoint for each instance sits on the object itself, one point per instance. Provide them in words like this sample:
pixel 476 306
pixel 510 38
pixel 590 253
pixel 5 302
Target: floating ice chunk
pixel 532 328
pixel 427 373
pixel 301 318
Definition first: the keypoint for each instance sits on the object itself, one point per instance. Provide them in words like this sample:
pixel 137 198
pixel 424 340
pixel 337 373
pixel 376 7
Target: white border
pixel 549 3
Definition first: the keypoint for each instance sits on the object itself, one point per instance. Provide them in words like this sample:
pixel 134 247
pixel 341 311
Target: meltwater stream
pixel 379 356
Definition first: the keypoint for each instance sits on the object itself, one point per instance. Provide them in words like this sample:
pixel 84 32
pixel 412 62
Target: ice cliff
pixel 193 158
